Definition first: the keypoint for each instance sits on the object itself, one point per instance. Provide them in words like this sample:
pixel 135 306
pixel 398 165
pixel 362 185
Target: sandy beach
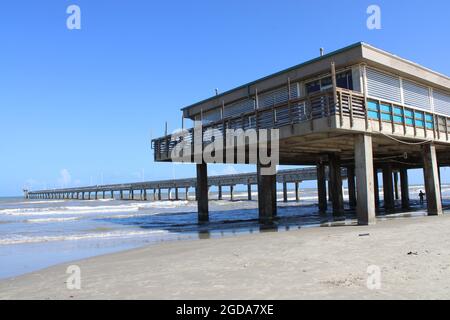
pixel 316 263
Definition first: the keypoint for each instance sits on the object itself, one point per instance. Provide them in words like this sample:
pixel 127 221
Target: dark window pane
pixel 345 80
pixel 312 87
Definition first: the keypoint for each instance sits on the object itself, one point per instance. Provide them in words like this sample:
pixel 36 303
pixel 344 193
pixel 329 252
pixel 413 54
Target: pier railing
pixel 349 105
pixel 283 176
pixel 293 111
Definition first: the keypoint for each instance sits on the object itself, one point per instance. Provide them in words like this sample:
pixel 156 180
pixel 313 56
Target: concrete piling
pixel 431 177
pixel 404 188
pixel 202 192
pixel 267 196
pixel 365 203
pixel 388 190
pixel 337 198
pixel 351 186
pixel 321 187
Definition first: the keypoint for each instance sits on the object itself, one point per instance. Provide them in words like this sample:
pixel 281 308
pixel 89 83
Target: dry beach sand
pixel 318 263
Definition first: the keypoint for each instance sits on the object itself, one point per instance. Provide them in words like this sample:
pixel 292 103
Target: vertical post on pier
pixel 365 207
pixel 121 194
pixel 404 188
pixel 297 195
pixel 231 193
pixel 104 194
pixel 321 186
pixel 376 186
pixel 159 194
pixel 388 190
pixel 82 196
pixel 267 196
pixel 337 198
pixel 186 194
pixel 220 197
pixel 351 186
pixel 141 195
pixel 131 195
pixel 431 176
pixel 176 194
pixel 330 195
pixel 396 193
pixel 285 193
pixel 202 192
pixel 89 195
pixel 96 195
pixel 249 192
pixel 112 194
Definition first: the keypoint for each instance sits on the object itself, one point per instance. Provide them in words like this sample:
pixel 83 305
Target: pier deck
pixel 154 188
pixel 359 108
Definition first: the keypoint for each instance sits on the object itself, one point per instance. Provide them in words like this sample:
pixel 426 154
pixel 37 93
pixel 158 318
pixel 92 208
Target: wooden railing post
pixel 350 106
pixel 446 128
pixel 392 117
pixel 328 110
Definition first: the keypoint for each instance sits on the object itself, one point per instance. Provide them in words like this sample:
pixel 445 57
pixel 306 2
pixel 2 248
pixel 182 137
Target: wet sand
pixel 318 263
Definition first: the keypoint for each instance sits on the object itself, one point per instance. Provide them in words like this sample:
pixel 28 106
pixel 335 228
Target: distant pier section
pixel 153 190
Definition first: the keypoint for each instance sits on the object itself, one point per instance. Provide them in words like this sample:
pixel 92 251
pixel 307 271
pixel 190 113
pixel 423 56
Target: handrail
pixel 308 108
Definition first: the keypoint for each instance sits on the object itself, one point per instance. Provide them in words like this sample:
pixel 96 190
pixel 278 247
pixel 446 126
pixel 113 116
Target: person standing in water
pixel 421 197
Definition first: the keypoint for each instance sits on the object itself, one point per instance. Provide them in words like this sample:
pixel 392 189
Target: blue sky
pixel 80 106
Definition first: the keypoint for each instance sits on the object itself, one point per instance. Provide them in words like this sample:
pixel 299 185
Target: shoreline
pixel 309 263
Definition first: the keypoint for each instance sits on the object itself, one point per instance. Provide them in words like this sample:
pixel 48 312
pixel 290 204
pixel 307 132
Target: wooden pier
pixel 153 190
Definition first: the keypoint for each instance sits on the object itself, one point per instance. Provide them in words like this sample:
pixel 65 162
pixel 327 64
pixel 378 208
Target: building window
pixel 344 80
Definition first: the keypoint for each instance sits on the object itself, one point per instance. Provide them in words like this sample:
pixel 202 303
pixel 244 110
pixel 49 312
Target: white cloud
pixel 65 178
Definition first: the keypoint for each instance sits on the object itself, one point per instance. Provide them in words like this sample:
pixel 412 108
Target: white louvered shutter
pixel 416 95
pixel 383 86
pixel 441 103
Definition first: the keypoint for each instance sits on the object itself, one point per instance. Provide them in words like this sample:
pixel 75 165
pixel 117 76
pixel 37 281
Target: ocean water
pixel 35 234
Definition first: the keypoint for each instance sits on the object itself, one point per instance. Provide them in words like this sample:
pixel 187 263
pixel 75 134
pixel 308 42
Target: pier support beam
pixel 297 195
pixel 337 198
pixel 431 176
pixel 145 195
pixel 376 186
pixel 351 186
pixel 202 192
pixel 404 188
pixel 249 192
pixel 396 193
pixel 285 193
pixel 388 190
pixel 267 196
pixel 159 194
pixel 231 193
pixel 121 194
pixel 365 207
pixel 176 194
pixel 220 196
pixel 329 193
pixel 322 187
pixel 112 194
